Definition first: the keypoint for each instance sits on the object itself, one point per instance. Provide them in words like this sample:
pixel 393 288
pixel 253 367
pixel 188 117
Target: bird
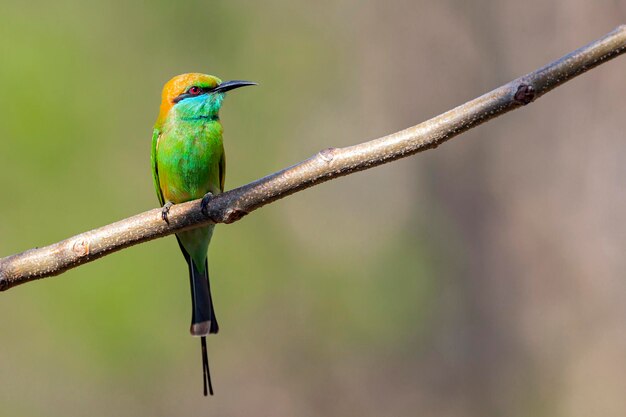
pixel 188 163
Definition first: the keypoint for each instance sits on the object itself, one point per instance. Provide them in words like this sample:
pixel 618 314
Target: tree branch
pixel 326 165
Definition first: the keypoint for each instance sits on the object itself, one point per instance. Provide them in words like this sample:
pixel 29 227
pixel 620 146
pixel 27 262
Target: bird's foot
pixel 165 211
pixel 204 204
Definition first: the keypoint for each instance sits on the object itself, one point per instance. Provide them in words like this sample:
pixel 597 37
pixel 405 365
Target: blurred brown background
pixel 483 278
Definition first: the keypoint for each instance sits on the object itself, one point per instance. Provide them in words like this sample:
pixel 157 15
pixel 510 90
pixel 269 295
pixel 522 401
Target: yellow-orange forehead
pixel 177 85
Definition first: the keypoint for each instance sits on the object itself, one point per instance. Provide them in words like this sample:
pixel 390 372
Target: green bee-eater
pixel 188 163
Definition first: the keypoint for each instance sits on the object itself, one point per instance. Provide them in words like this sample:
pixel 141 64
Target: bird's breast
pixel 188 160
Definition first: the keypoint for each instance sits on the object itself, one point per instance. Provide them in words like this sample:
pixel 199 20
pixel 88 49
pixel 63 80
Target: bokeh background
pixel 483 278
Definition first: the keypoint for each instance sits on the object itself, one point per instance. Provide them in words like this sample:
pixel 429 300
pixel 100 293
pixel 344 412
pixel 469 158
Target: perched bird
pixel 188 163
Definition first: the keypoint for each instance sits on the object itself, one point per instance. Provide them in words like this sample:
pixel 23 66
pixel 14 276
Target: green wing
pixel 155 171
pixel 222 170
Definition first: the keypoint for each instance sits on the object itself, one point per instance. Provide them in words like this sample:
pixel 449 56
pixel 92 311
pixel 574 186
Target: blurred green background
pixel 484 278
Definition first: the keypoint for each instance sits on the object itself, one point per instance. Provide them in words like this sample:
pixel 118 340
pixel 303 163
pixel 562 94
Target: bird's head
pixel 194 96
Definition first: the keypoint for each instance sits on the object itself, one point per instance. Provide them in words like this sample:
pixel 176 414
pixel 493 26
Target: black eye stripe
pixel 186 94
pixel 201 89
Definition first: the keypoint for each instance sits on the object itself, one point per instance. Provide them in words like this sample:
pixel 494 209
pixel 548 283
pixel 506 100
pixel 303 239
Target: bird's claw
pixel 204 204
pixel 165 211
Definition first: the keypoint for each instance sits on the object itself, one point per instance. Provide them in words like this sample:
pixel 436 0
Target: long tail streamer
pixel 206 373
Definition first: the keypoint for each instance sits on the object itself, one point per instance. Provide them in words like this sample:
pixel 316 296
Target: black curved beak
pixel 231 85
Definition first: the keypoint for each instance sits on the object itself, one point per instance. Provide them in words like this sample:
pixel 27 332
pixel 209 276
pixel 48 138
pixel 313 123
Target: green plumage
pixel 187 163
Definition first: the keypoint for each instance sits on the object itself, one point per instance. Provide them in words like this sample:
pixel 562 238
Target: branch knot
pixel 525 94
pixel 328 154
pixel 80 247
pixel 233 214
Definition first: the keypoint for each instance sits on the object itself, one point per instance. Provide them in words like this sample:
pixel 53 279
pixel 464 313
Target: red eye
pixel 194 91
